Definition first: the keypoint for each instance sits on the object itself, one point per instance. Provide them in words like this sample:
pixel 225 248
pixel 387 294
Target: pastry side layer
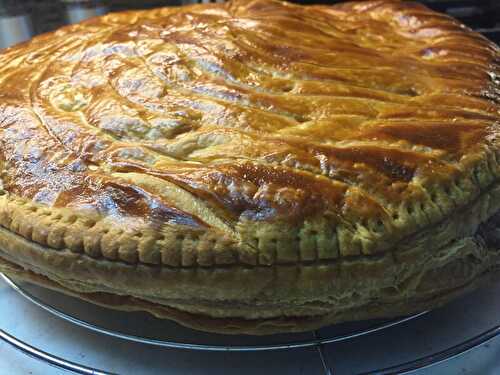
pixel 250 326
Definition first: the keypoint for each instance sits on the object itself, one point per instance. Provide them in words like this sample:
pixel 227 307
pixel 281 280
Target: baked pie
pixel 254 166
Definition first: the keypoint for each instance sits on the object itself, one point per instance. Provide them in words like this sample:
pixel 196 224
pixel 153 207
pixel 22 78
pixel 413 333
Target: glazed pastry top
pixel 230 131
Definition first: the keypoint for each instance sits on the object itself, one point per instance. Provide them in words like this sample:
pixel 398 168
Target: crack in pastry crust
pixel 250 135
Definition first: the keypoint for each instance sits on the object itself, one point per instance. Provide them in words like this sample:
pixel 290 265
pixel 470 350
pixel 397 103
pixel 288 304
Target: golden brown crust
pixel 223 131
pixel 252 140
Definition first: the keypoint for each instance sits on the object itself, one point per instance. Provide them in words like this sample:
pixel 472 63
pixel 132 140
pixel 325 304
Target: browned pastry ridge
pixel 254 166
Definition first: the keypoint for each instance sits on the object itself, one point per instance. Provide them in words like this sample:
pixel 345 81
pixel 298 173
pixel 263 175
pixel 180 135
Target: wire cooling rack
pixel 192 340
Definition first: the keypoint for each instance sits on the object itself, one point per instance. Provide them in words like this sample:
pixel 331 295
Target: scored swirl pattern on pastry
pixel 254 132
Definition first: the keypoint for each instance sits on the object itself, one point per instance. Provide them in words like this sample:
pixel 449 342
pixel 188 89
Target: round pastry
pixel 254 166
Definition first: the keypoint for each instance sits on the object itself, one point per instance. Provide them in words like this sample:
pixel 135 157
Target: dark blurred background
pixel 21 19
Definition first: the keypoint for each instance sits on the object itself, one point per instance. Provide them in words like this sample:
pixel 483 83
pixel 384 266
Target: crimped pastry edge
pixel 133 242
pixel 393 277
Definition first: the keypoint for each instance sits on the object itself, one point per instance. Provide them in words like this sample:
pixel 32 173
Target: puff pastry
pixel 254 166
